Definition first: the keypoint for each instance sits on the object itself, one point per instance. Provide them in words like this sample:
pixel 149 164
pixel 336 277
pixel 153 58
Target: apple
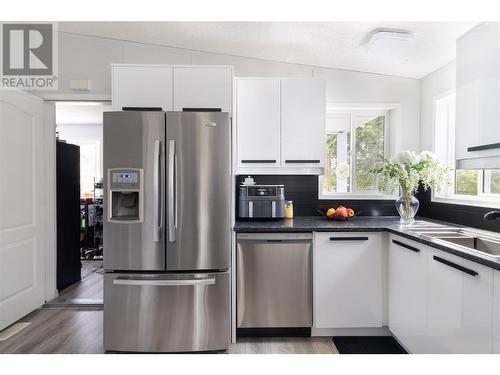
pixel 350 212
pixel 341 212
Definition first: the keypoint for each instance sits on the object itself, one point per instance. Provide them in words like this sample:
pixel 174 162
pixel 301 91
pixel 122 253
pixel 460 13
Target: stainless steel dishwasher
pixel 274 282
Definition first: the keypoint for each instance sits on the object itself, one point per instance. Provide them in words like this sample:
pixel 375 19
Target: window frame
pixel 482 199
pixel 357 194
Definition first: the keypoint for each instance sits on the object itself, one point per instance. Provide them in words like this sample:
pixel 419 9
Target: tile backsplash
pixel 303 191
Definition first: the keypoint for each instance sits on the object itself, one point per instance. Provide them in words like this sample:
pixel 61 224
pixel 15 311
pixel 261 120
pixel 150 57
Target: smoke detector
pixel 387 40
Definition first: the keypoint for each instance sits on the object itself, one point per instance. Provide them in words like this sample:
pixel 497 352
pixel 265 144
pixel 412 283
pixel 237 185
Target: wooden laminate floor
pixel 79 330
pixel 63 330
pixel 88 289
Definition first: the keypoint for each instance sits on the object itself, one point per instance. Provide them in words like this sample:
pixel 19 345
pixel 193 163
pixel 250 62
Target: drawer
pixel 166 312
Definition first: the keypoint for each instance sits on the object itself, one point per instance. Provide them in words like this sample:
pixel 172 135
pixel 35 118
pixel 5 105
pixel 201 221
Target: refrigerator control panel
pixel 125 179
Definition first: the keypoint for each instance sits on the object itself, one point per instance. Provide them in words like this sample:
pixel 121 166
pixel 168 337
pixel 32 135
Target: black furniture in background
pixel 68 215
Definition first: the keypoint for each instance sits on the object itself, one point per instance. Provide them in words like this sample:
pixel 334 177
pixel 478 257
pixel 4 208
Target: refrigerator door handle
pixel 150 282
pixel 171 191
pixel 156 192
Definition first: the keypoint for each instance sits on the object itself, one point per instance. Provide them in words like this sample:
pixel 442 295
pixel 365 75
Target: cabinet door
pixel 258 119
pixel 348 280
pixel 444 298
pixel 142 86
pixel 496 312
pixel 407 292
pixel 202 87
pixel 477 87
pixel 459 305
pixel 476 335
pixel 303 122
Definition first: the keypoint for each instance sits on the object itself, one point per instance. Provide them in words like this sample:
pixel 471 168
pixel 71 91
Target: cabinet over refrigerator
pixel 167 231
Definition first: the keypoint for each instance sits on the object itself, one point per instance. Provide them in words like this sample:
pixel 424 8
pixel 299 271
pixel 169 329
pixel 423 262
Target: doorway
pixel 79 197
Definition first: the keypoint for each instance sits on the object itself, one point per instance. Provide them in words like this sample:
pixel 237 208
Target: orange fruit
pixel 330 213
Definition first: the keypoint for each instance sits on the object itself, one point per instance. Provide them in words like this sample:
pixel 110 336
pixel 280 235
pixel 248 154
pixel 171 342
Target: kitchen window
pixel 468 187
pixel 355 143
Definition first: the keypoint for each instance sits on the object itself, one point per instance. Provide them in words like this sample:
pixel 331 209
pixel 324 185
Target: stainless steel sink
pixel 463 237
pixel 488 246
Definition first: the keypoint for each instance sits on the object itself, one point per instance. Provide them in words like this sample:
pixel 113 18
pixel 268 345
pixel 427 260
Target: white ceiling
pixel 326 44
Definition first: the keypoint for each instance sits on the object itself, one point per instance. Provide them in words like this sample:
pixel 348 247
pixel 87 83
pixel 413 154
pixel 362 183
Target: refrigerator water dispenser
pixel 125 195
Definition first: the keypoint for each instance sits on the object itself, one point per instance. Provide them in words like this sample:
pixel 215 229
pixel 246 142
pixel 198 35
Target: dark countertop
pixel 369 224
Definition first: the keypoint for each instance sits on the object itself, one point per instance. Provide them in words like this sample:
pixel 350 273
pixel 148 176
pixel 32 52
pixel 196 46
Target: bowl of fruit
pixel 340 213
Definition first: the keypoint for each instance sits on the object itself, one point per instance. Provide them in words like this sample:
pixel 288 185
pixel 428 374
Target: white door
pixel 142 86
pixel 23 224
pixel 258 118
pixel 303 112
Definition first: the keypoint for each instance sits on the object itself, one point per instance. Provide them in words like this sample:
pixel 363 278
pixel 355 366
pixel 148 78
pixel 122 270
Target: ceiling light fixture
pixel 387 39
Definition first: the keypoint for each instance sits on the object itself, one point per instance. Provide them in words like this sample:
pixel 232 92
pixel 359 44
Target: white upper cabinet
pixel 280 123
pixel 202 87
pixel 258 119
pixel 141 86
pixel 303 111
pixel 347 280
pixel 477 133
pixel 407 292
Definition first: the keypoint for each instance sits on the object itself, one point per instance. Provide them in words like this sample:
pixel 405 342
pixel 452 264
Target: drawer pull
pixel 256 161
pixel 173 282
pixel 406 246
pixel 302 161
pixel 456 266
pixel 484 147
pixel 348 238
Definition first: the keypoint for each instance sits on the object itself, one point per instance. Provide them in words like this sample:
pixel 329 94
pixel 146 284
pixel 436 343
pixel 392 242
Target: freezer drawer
pixel 274 285
pixel 166 312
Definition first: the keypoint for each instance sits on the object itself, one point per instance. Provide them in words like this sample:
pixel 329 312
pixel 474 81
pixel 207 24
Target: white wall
pixel 85 57
pixel 435 84
pixel 89 138
pixel 355 87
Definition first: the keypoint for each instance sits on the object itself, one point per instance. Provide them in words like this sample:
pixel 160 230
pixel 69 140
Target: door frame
pixel 49 185
pixel 50 204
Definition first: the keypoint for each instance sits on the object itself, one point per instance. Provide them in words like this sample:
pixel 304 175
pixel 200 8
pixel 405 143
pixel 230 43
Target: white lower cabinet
pixel 347 280
pixel 460 298
pixel 456 295
pixel 407 292
pixel 496 312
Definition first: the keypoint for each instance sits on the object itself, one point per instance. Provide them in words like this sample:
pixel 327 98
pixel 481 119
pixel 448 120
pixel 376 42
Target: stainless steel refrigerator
pixel 166 231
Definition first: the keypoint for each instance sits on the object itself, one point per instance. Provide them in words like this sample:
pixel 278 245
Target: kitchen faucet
pixel 492 215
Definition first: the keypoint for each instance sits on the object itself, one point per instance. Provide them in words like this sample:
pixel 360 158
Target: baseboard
pixel 365 331
pixel 274 332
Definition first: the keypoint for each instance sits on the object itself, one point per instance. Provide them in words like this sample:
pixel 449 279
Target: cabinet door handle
pixel 257 161
pixel 406 246
pixel 302 161
pixel 348 238
pixel 491 146
pixel 456 266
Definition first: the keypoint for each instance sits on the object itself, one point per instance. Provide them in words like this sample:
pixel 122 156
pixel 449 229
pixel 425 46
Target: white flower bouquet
pixel 406 172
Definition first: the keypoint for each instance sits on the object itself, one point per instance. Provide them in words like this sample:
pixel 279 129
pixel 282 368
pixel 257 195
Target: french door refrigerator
pixel 166 231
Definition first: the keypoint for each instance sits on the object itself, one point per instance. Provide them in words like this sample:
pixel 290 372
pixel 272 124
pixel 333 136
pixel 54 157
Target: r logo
pixel 27 49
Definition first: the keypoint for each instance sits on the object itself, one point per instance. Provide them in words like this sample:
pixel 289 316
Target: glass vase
pixel 407 206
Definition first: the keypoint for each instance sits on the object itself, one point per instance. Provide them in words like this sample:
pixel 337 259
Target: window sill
pixel 468 201
pixel 355 196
